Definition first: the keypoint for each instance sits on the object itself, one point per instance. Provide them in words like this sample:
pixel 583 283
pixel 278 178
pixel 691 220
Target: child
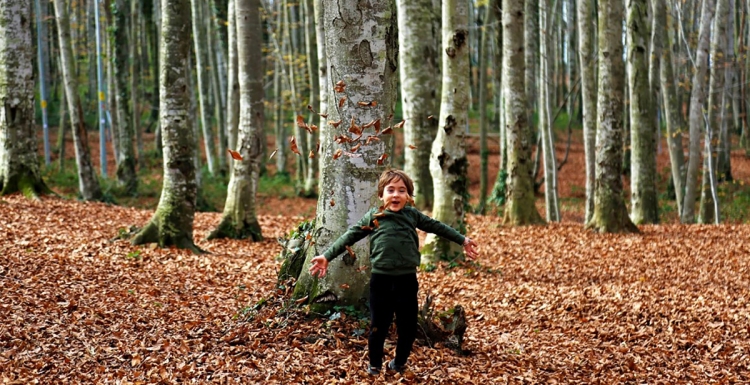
pixel 394 256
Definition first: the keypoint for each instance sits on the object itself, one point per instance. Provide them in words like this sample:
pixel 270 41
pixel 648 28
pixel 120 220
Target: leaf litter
pixel 548 304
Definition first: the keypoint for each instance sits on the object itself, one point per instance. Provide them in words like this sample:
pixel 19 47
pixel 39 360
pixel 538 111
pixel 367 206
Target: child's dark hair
pixel 389 176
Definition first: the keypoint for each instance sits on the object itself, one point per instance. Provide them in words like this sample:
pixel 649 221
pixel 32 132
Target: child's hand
pixel 319 266
pixel 470 248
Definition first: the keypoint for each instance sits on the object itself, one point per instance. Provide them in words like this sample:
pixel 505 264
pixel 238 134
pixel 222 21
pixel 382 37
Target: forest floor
pixel 545 304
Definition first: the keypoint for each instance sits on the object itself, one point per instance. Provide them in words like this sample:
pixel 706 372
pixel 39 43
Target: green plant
pixel 136 255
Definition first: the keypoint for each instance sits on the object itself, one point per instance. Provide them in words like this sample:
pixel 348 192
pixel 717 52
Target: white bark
pixel 448 162
pixel 545 113
pixel 586 49
pixel 361 51
pixel 199 40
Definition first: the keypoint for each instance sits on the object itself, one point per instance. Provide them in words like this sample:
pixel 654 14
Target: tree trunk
pixel 199 39
pixel 448 162
pixel 483 152
pixel 520 208
pixel 546 123
pixel 240 219
pixel 587 57
pixel 349 183
pixel 219 108
pixel 19 164
pixel 311 51
pixel 126 175
pixel 233 85
pixel 610 213
pixel 672 114
pixel 531 38
pixel 87 181
pixel 729 103
pixel 708 204
pixel 172 223
pixel 644 203
pixel 322 69
pixel 420 73
pixel 697 120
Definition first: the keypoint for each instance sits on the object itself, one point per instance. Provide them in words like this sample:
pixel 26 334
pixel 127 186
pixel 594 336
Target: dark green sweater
pixel 394 244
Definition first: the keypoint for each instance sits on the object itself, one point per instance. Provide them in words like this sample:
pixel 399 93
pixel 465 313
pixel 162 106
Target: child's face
pixel 395 195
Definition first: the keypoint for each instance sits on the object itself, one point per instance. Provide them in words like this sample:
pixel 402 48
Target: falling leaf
pixel 312 155
pixel 342 101
pixel 387 131
pixel 317 147
pixel 344 286
pixel 429 117
pixel 356 147
pixel 366 228
pixel 361 268
pixel 301 122
pixel 413 147
pixel 273 153
pixel 351 252
pixel 293 145
pixel 399 125
pixel 354 128
pixel 301 300
pixel 340 86
pixel 322 115
pixel 372 139
pixel 310 107
pixel 313 128
pixel 376 223
pixel 373 103
pixel 377 126
pixel 382 159
pixel 235 155
pixel 334 124
pixel 333 203
pixel 337 154
pixel 379 215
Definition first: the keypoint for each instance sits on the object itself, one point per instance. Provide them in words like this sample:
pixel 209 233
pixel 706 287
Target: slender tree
pixel 19 164
pixel 233 85
pixel 644 203
pixel 199 40
pixel 420 73
pixel 610 213
pixel 707 210
pixel 348 183
pixel 531 58
pixel 696 119
pixel 240 219
pixel 587 53
pixel 126 175
pixel 546 120
pixel 448 162
pixel 311 52
pixel 87 181
pixel 520 208
pixel 172 223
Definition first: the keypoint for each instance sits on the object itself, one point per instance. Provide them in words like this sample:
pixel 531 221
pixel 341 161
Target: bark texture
pixel 361 49
pixel 644 203
pixel 610 213
pixel 19 164
pixel 240 219
pixel 172 223
pixel 520 208
pixel 199 40
pixel 448 162
pixel 126 175
pixel 587 58
pixel 420 74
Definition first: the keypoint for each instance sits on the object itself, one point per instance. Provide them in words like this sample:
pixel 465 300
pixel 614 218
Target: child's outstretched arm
pixel 319 266
pixel 470 248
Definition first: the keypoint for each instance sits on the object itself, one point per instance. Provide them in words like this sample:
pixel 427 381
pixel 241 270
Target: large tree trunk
pixel 87 181
pixel 546 100
pixel 420 74
pixel 199 39
pixel 240 219
pixel 126 175
pixel 348 184
pixel 696 119
pixel 644 204
pixel 519 208
pixel 19 164
pixel 708 204
pixel 586 49
pixel 610 213
pixel 672 114
pixel 172 223
pixel 448 162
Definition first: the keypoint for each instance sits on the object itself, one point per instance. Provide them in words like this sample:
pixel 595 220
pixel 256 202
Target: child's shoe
pixel 373 370
pixel 392 366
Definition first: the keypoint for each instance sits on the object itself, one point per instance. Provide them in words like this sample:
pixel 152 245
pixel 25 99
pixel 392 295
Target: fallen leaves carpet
pixel 548 304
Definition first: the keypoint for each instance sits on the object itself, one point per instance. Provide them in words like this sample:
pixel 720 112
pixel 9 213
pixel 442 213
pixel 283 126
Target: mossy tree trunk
pixel 644 204
pixel 610 212
pixel 240 219
pixel 519 208
pixel 419 73
pixel 448 162
pixel 172 223
pixel 19 164
pixel 126 175
pixel 361 49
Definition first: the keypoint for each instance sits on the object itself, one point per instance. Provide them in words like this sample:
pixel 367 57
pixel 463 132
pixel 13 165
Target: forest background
pixel 559 303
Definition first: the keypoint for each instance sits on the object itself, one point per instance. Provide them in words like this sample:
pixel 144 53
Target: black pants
pixel 391 294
